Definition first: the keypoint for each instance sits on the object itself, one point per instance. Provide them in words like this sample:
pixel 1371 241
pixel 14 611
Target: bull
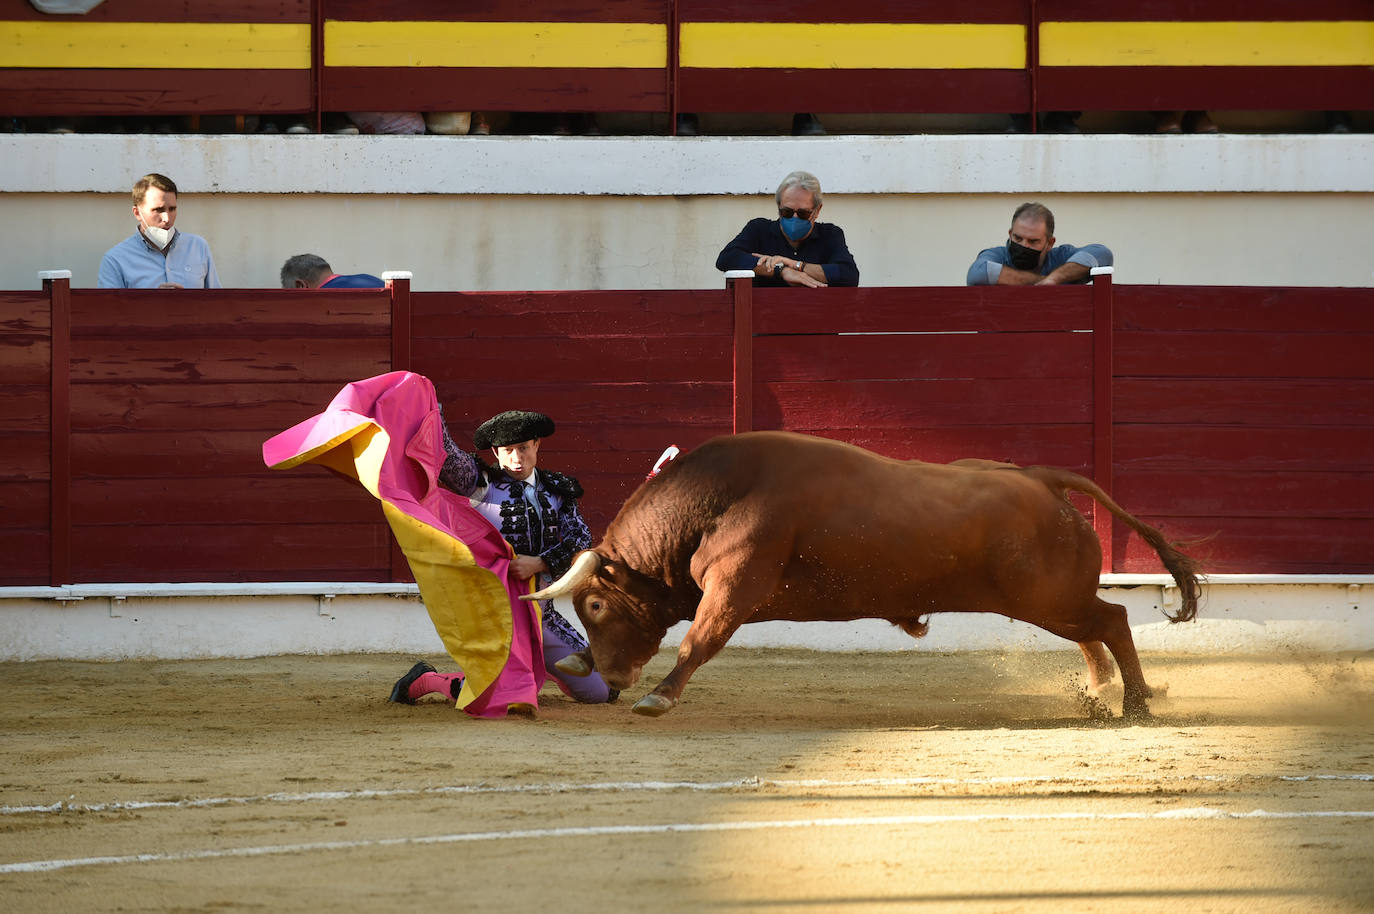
pixel 775 525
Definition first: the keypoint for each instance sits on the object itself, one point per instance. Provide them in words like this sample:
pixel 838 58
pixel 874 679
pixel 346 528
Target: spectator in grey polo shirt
pixel 1030 258
pixel 157 255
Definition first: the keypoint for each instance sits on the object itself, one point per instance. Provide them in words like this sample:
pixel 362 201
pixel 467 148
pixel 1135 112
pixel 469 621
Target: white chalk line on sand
pixel 1195 813
pixel 750 783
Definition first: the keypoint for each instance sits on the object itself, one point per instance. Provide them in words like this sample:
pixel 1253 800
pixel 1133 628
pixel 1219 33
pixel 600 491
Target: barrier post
pixel 674 50
pixel 58 285
pixel 741 286
pixel 1103 522
pixel 398 284
pixel 1033 64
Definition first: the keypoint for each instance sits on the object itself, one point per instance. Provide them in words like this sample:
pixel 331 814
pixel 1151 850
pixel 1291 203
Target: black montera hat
pixel 511 427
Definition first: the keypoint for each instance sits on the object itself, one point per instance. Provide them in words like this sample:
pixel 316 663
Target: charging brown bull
pixel 775 525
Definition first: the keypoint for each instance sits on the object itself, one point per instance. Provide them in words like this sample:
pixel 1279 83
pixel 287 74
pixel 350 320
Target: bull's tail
pixel 1184 569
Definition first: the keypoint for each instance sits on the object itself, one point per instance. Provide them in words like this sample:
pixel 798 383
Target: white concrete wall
pixel 489 213
pixel 1239 614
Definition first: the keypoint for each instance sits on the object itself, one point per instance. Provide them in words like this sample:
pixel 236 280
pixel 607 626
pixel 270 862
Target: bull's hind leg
pixel 1100 669
pixel 1115 633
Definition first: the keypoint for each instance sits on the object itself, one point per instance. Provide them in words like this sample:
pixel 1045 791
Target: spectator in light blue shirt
pixel 1030 257
pixel 157 255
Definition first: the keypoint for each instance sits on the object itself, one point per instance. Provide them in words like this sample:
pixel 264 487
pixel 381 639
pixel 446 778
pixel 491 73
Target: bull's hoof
pixel 1135 710
pixel 573 665
pixel 653 705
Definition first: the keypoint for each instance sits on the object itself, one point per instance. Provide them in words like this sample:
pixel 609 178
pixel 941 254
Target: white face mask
pixel 158 236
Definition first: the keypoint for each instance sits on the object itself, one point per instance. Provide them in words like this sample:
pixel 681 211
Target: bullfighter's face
pixel 520 459
pixel 620 628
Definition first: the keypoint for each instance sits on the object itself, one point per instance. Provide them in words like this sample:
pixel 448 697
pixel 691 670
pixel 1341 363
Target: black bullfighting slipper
pixel 400 692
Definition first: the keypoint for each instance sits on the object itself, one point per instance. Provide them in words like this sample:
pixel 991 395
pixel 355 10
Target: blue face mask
pixel 795 229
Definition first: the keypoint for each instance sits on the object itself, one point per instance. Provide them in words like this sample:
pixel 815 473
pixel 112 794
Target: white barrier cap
pixel 389 275
pixel 1102 271
pixel 739 274
pixel 54 274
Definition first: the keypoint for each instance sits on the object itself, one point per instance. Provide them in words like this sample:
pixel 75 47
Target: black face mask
pixel 1022 257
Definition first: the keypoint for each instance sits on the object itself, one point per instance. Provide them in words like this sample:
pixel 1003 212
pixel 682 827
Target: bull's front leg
pixel 708 633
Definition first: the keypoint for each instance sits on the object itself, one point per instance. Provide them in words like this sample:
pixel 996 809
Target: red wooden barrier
pixel 285 56
pixel 26 377
pixel 1248 413
pixel 498 55
pixel 875 56
pixel 142 57
pixel 173 393
pixel 1171 55
pixel 623 374
pixel 1244 412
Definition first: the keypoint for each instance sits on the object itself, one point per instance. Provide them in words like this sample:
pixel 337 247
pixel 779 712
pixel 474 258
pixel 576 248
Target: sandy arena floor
pixel 787 781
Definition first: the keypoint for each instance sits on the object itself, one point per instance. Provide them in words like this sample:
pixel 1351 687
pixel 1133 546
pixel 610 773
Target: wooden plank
pixel 867 11
pixel 560 315
pixel 1206 448
pixel 154 454
pixel 230 360
pixel 607 409
pixel 494 88
pixel 1219 493
pixel 500 11
pixel 627 359
pixel 26 554
pixel 1066 446
pixel 24 407
pixel 1213 88
pixel 25 351
pixel 1245 355
pixel 25 454
pixel 865 404
pixel 860 91
pixel 924 356
pixel 218 552
pixel 24 313
pixel 936 309
pixel 265 407
pixel 1165 10
pixel 231 313
pixel 107 93
pixel 25 503
pixel 1246 308
pixel 286 497
pixel 1264 546
pixel 1283 402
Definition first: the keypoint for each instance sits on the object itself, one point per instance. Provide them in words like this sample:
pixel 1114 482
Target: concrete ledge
pixel 1240 614
pixel 662 166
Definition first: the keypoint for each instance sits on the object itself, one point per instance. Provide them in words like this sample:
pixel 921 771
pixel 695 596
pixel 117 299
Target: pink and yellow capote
pixel 384 433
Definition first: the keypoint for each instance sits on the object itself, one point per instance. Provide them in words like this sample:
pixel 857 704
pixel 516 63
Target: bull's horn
pixel 586 564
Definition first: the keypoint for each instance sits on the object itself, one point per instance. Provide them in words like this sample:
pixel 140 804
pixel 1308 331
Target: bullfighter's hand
pixel 524 567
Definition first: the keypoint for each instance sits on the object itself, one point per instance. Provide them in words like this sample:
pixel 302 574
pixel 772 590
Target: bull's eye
pixel 595 607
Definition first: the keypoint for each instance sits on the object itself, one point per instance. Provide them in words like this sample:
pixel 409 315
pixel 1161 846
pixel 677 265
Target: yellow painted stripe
pixel 156 45
pixel 1207 44
pixel 495 44
pixel 853 46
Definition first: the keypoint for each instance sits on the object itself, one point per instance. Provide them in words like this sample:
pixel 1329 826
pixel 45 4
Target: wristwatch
pixel 777 271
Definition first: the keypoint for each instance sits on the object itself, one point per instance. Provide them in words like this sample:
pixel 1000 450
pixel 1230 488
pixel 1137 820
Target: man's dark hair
pixel 311 268
pixel 1036 212
pixel 161 182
